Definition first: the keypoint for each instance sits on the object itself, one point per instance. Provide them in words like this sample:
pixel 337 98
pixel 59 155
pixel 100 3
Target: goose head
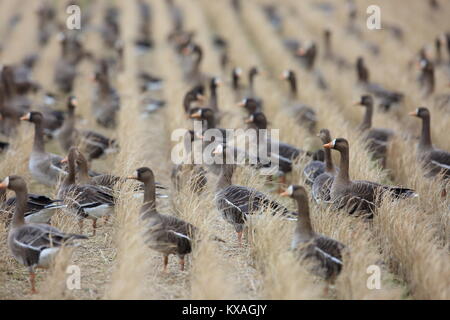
pixel 420 112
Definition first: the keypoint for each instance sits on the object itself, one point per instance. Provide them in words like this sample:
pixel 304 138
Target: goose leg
pixel 182 263
pixel 80 224
pixel 165 263
pixel 32 282
pixel 239 235
pixel 94 226
pixel 106 219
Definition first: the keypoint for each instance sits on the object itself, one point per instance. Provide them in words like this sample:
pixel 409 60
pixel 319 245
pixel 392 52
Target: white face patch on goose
pixel 6 182
pixel 417 111
pixel 286 74
pixel 290 190
pixel 238 71
pixel 333 143
pixel 251 118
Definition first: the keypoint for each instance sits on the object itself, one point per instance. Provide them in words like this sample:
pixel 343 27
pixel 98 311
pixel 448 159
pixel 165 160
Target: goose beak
pixel 26 117
pixel 357 103
pixel 240 104
pixel 131 178
pixel 249 119
pixel 218 82
pixel 413 113
pixel 328 145
pixel 284 194
pixel 65 160
pixel 283 76
pixel 196 115
pixel 301 52
pixel 5 183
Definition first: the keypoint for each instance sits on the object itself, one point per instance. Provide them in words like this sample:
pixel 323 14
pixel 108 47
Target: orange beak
pixel 284 194
pixel 328 145
pixel 282 76
pixel 301 52
pixel 132 177
pixel 65 160
pixel 196 115
pixel 249 120
pixel 357 103
pixel 413 113
pixel 240 104
pixel 25 117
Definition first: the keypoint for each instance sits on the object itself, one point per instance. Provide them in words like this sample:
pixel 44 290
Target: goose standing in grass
pixel 84 200
pixel 376 138
pixel 165 234
pixel 387 97
pixel 250 105
pixel 195 94
pixel 358 196
pixel 93 143
pixel 321 187
pixel 324 254
pixel 236 202
pixel 304 114
pixel 434 160
pixel 44 167
pixel 32 244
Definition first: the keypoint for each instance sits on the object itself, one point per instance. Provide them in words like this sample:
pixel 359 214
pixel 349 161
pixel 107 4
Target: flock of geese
pixel 90 195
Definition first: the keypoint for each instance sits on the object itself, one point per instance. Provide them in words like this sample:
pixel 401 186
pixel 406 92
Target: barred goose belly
pixel 85 201
pixel 32 244
pixel 324 253
pixel 236 202
pixel 358 196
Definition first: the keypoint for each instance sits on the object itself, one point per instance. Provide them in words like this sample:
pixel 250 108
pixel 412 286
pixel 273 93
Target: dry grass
pixel 408 240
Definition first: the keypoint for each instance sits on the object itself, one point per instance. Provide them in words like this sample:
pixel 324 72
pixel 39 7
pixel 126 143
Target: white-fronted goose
pixel 189 173
pixel 44 167
pixel 434 160
pixel 324 253
pixel 106 100
pixel 236 202
pixel 250 105
pixel 321 187
pixel 426 78
pixel 387 97
pixel 358 196
pixel 195 94
pixel 304 114
pixel 31 244
pixel 377 138
pixel 165 234
pixel 92 143
pixel 85 201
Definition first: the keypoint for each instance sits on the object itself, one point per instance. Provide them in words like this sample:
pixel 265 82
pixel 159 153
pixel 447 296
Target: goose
pixel 106 100
pixel 165 234
pixel 304 114
pixel 40 208
pixel 252 73
pixel 93 143
pixel 195 94
pixel 189 172
pixel 377 138
pixel 32 244
pixel 434 160
pixel 358 196
pixel 307 58
pixel 426 77
pixel 236 74
pixel 44 167
pixel 84 200
pixel 250 105
pixel 387 97
pixel 236 202
pixel 323 252
pixel 330 55
pixel 107 181
pixel 321 186
pixel 195 75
